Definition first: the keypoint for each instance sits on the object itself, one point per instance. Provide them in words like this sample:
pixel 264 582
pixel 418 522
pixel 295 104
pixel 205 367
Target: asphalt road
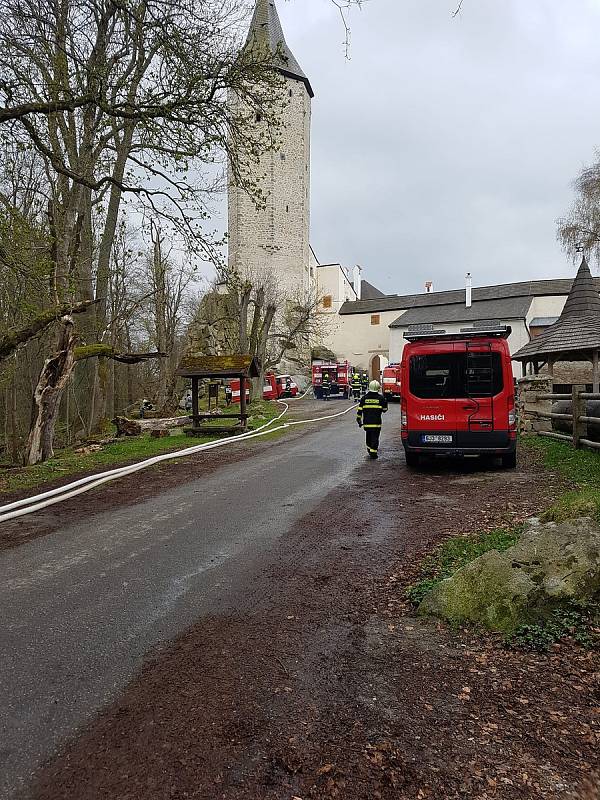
pixel 82 607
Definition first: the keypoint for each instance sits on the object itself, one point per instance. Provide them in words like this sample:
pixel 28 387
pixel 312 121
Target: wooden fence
pixel 578 418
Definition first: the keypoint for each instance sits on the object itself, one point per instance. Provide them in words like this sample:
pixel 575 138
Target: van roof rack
pixel 422 332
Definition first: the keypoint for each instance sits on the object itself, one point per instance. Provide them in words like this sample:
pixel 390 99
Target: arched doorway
pixel 378 364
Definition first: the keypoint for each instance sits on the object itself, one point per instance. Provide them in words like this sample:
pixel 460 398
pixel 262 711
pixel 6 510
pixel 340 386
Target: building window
pixel 291 93
pixel 287 208
pixel 259 117
pixel 282 156
pixel 375 319
pixel 327 301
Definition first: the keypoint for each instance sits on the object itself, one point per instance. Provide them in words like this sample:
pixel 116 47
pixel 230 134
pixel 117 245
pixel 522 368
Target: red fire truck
pixel 458 394
pixel 391 381
pixel 340 377
pixel 274 387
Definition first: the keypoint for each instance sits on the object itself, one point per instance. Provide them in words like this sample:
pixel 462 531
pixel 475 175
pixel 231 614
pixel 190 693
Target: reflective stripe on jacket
pixel 372 405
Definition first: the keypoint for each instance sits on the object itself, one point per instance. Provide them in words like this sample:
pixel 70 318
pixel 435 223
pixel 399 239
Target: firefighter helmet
pixel 374 386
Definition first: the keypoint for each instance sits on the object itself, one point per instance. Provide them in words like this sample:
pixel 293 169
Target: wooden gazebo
pixel 575 336
pixel 217 368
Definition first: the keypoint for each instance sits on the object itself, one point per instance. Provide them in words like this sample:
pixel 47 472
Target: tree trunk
pixel 261 345
pixel 53 378
pixel 105 249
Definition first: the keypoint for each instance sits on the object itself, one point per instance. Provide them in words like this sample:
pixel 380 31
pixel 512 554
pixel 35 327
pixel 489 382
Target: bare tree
pixel 156 79
pixel 580 229
pixel 250 315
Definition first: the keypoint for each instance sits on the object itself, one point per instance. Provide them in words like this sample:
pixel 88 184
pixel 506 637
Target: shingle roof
pixel 397 302
pixel 542 322
pixel 503 309
pixel 266 31
pixel 217 366
pixel 578 327
pixel 369 292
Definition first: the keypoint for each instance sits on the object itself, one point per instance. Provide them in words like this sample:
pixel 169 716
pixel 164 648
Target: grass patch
pixel 569 622
pixel 581 467
pixel 454 553
pixel 125 450
pixel 576 503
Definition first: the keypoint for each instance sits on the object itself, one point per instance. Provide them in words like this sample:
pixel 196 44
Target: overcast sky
pixel 448 145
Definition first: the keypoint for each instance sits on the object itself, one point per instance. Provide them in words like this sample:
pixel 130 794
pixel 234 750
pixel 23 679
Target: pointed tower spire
pixel 583 298
pixel 577 330
pixel 266 32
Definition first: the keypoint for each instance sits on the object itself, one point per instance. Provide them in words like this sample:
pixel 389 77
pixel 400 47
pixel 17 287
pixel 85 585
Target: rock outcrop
pixel 550 566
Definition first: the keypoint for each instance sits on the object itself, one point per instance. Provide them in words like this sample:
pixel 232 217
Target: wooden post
pixel 551 372
pixel 243 401
pixel 595 373
pixel 579 408
pixel 195 417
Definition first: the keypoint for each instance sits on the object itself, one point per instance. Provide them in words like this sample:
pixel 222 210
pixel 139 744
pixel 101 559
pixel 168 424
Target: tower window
pixel 375 319
pixel 327 301
pixel 282 156
pixel 259 117
pixel 291 93
pixel 287 208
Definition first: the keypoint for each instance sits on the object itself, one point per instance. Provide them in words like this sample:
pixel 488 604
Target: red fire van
pixel 458 394
pixel 391 380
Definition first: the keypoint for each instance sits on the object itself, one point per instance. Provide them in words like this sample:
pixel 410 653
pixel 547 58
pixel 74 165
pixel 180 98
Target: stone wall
pixel 573 372
pixel 274 240
pixel 528 405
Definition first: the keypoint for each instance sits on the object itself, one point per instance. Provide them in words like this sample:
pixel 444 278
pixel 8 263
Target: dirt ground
pixel 327 685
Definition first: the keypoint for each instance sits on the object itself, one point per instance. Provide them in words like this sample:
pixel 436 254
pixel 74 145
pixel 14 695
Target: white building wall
pixel 353 337
pixel 275 240
pixel 547 306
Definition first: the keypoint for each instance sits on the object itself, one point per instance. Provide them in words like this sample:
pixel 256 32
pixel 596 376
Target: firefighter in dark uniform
pixel 364 382
pixel 326 386
pixel 368 416
pixel 356 386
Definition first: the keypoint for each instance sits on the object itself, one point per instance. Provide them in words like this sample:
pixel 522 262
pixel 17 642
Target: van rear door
pixel 479 386
pixel 431 406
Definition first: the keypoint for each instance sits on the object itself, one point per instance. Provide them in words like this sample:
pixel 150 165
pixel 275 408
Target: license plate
pixel 441 438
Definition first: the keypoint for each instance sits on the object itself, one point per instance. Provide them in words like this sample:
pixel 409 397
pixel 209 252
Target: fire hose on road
pixel 29 505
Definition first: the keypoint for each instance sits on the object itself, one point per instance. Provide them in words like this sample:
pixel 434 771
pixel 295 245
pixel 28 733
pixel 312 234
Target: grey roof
pixel 369 292
pixel 502 309
pixel 578 327
pixel 398 302
pixel 542 322
pixel 266 31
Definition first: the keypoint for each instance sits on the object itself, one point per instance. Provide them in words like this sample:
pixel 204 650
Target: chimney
pixel 357 280
pixel 468 289
pixel 428 286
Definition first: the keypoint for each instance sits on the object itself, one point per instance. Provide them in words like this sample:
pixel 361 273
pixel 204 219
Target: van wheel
pixel 509 461
pixel 412 459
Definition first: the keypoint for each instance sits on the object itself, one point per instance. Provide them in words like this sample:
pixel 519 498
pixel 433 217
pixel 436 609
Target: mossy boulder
pixel 551 565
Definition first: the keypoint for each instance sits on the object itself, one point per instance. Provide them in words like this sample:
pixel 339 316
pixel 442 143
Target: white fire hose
pixel 29 505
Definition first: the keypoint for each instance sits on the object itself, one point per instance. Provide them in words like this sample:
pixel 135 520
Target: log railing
pixel 578 417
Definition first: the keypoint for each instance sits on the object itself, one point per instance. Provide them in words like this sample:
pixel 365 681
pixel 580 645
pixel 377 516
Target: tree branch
pixel 15 338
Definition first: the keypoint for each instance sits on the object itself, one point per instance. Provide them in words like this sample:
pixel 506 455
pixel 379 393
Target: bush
pixel 568 622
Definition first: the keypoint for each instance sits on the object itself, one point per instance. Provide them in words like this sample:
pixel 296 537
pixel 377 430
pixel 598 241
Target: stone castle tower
pixel 275 240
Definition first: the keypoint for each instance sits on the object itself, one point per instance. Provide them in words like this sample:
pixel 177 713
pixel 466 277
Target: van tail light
pixel 512 416
pixel 403 419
